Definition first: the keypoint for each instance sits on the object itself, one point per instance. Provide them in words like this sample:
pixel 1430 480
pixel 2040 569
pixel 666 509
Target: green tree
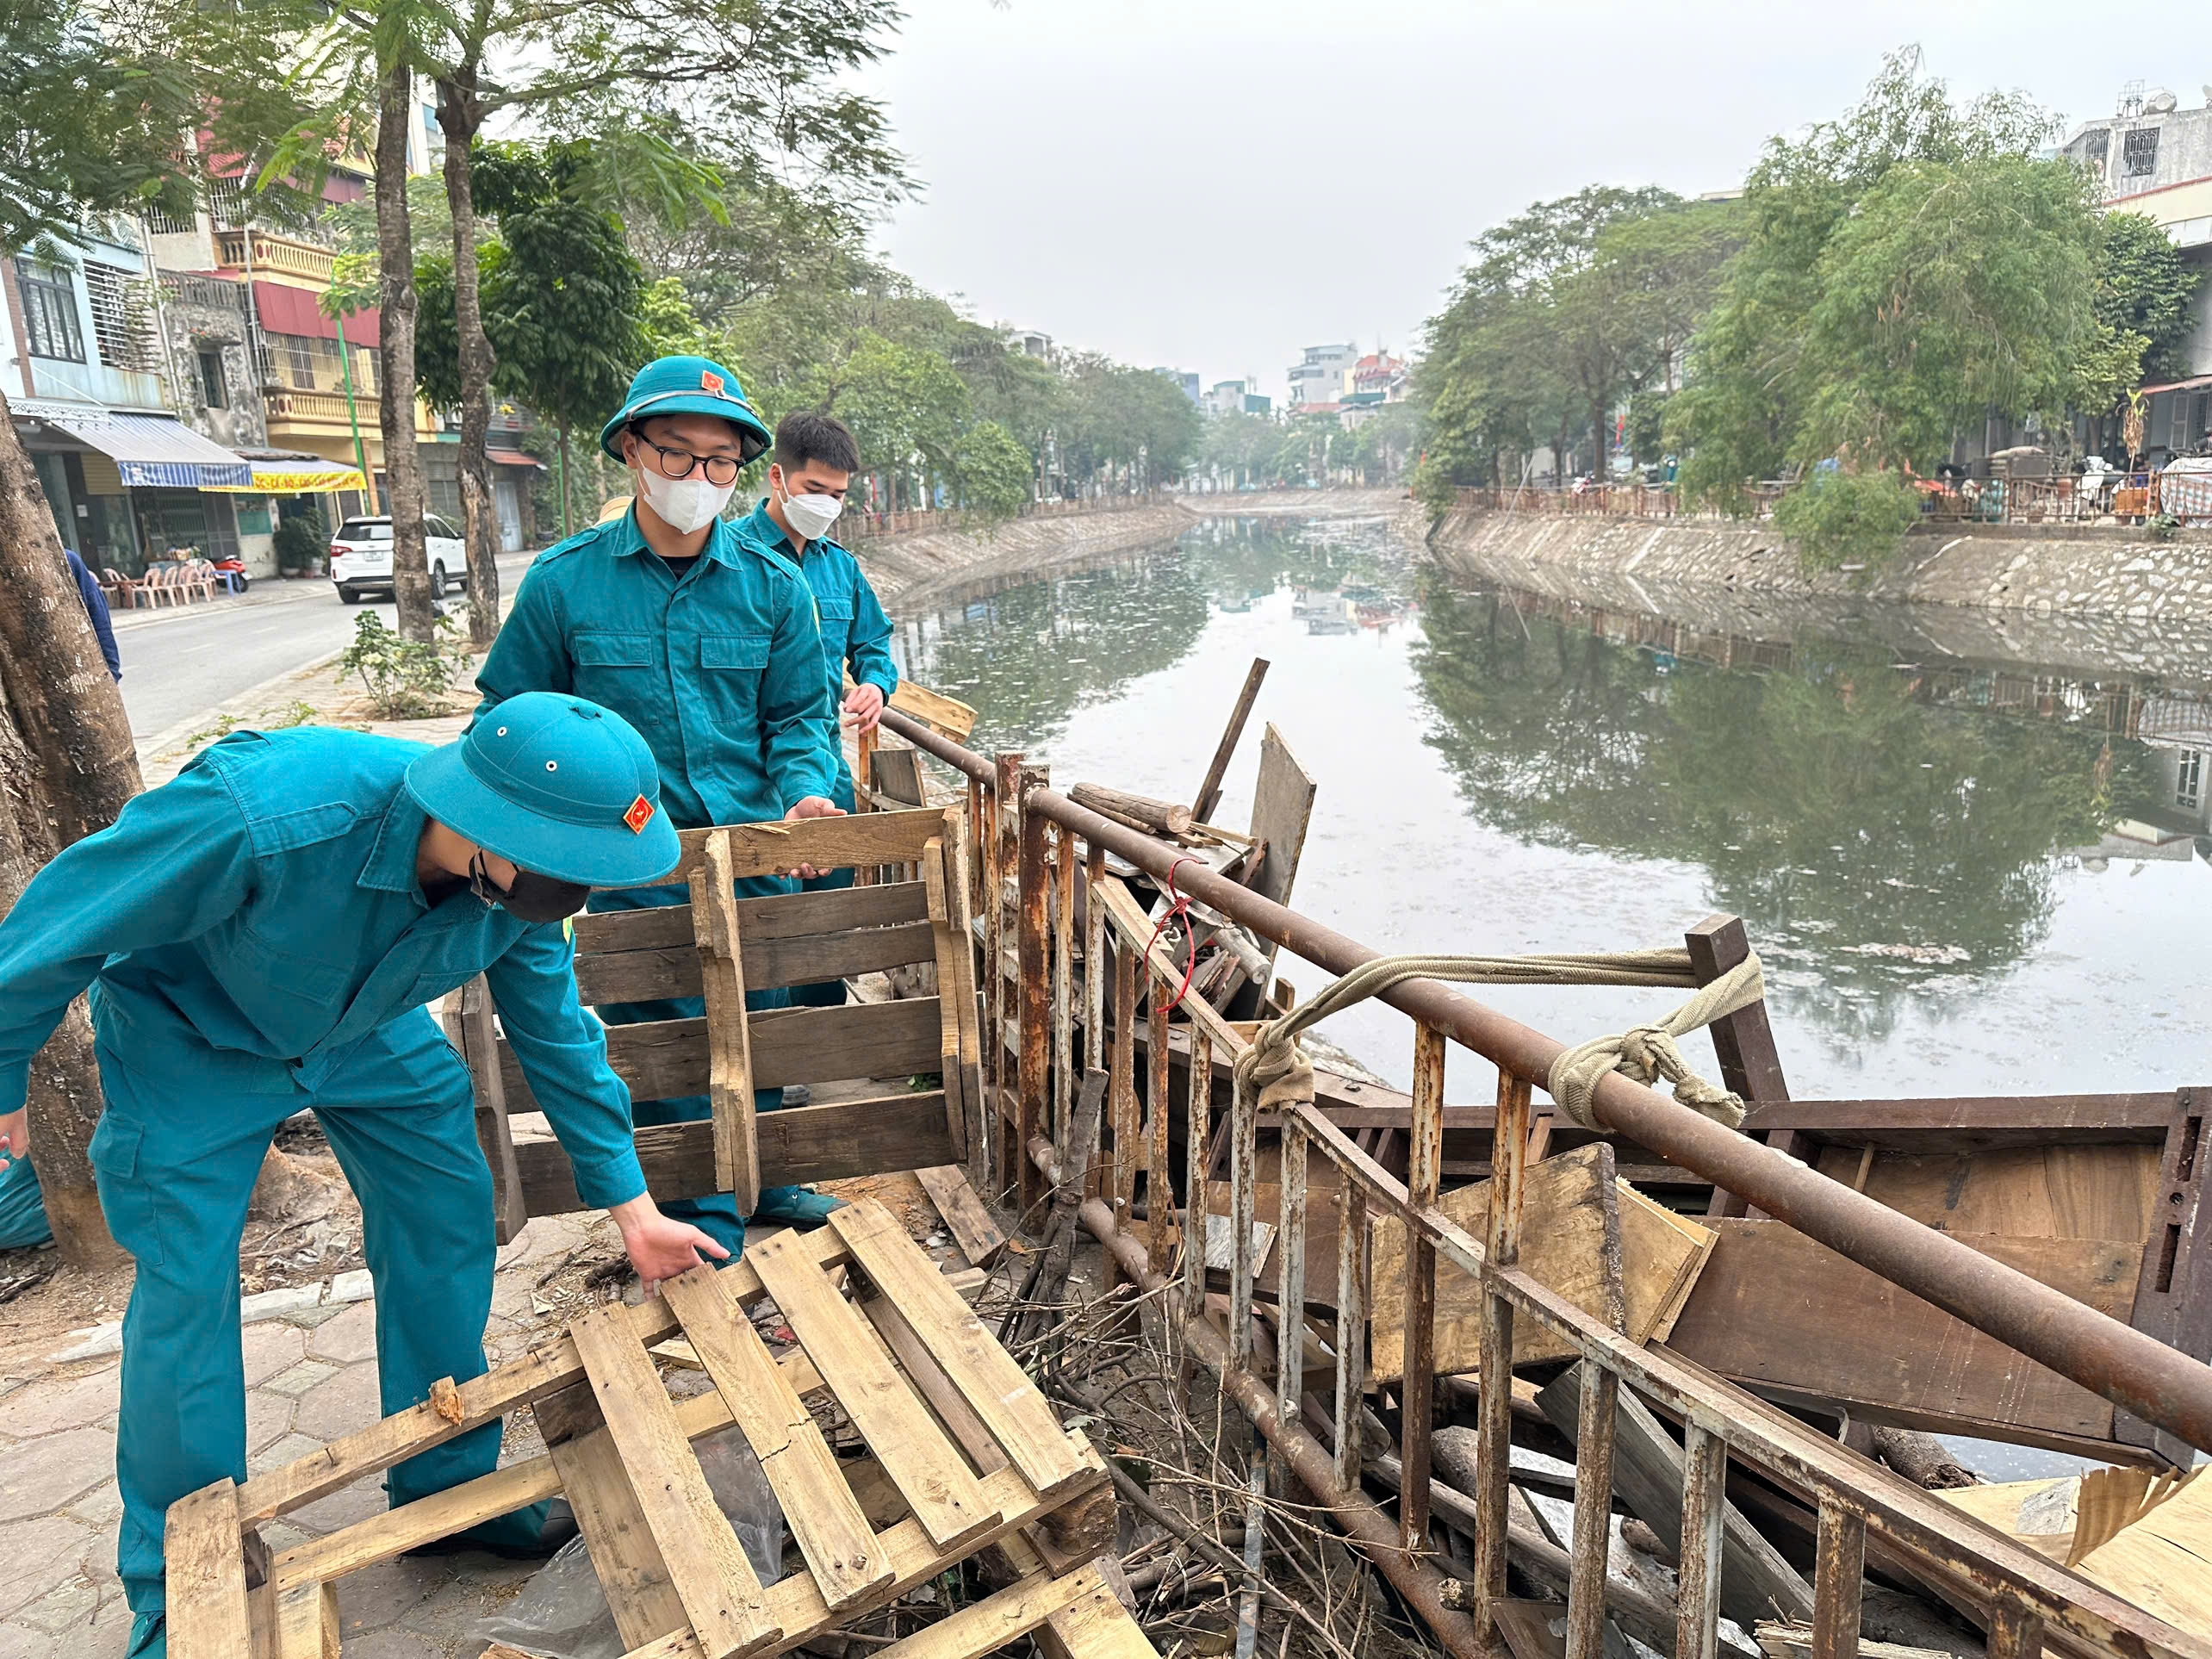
pixel 2143 295
pixel 561 293
pixel 1903 269
pixel 997 474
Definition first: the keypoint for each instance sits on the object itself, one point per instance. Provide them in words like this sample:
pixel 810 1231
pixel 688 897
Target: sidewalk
pixel 266 591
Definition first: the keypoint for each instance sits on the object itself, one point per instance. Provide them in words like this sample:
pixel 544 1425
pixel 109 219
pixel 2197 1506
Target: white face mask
pixel 684 504
pixel 810 516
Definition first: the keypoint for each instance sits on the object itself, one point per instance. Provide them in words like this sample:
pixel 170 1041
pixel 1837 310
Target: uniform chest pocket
pixel 276 968
pixel 607 650
pixel 834 610
pixel 734 653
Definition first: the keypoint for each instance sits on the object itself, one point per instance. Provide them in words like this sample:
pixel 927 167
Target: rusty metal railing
pixel 1033 839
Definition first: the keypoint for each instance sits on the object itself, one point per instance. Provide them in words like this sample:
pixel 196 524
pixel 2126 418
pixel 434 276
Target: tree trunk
pixel 459 116
pixel 564 481
pixel 1600 442
pixel 396 356
pixel 67 765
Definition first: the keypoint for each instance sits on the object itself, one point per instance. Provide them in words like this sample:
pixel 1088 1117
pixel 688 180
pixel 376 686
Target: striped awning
pixel 151 451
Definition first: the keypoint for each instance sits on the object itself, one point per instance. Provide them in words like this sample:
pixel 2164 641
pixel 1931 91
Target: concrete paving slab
pixel 42 1556
pixel 350 1337
pixel 296 1380
pixel 346 1402
pixel 54 1469
pixel 270 1348
pixel 268 1419
pixel 63 1403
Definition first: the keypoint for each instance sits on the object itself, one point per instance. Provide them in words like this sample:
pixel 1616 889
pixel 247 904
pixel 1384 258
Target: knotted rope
pixel 1276 1070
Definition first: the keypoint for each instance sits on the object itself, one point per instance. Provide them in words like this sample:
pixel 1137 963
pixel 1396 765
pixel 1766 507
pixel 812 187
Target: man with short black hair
pixel 812 467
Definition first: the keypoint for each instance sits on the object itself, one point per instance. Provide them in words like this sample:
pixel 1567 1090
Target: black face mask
pixel 532 897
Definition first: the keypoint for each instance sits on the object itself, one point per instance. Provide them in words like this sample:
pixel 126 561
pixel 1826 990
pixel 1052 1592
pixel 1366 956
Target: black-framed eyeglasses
pixel 720 469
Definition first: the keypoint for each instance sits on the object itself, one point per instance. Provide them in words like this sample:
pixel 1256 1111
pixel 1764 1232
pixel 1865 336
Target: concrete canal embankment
pixel 2063 569
pixel 908 570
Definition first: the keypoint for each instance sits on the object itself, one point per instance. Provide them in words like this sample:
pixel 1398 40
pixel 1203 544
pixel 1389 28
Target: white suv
pixel 361 556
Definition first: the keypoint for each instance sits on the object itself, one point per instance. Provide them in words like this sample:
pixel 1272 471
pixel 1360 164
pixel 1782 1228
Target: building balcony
pixel 295 413
pixel 273 256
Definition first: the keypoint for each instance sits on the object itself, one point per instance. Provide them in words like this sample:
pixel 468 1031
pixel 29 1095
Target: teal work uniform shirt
pixel 856 633
pixel 720 669
pixel 247 928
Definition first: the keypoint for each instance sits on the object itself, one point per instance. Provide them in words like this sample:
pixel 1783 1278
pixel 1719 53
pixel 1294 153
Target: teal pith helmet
pixel 555 784
pixel 686 386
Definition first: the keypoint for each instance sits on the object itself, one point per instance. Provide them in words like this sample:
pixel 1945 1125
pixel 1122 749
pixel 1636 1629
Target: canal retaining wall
pixel 2086 570
pixel 909 571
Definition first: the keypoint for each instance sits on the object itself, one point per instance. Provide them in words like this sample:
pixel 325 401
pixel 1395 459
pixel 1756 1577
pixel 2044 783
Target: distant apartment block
pixel 1322 376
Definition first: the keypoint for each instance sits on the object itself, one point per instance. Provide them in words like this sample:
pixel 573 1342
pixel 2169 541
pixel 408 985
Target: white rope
pixel 1278 1071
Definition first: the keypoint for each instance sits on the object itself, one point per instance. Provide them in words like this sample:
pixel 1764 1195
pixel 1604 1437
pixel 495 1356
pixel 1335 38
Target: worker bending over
pixel 259 937
pixel 814 463
pixel 707 643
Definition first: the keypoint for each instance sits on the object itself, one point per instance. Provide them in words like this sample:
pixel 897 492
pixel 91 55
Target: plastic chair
pixel 119 589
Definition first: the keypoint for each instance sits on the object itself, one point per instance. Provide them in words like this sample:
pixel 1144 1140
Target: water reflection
pixel 1966 845
pixel 1871 824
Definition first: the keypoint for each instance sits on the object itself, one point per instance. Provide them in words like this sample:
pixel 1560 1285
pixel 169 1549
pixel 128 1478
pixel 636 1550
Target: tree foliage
pixel 996 473
pixel 1905 268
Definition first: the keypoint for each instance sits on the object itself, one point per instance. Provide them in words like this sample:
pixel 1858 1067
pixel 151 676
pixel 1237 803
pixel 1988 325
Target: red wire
pixel 1180 907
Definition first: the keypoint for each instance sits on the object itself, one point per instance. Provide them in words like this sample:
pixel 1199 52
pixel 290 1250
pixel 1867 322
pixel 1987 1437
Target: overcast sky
pixel 1212 184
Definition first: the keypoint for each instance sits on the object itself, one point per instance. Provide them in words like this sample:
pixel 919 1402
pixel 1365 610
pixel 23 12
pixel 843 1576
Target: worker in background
pixel 813 464
pixel 95 608
pixel 260 936
pixel 708 645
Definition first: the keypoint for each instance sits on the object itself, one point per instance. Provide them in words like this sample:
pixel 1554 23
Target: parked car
pixel 360 557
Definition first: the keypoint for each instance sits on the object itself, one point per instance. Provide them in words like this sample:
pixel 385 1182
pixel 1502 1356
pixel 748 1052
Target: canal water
pixel 1969 869
pixel 1964 877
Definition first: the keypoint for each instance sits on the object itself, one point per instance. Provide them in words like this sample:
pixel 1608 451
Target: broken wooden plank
pixel 942 1493
pixel 997 1390
pixel 984 1626
pixel 1210 790
pixel 1573 1246
pixel 729 1048
pixel 720 1593
pixel 1788 1317
pixel 627 1561
pixel 204 1574
pixel 2163 1561
pixel 1649 1473
pixel 825 1521
pixel 965 1217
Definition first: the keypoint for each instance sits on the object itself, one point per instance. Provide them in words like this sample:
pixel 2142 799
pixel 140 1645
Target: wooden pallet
pixel 972 1447
pixel 719 946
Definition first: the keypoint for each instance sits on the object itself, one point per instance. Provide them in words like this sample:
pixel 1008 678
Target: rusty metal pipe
pixel 933 743
pixel 1421 1584
pixel 2133 1370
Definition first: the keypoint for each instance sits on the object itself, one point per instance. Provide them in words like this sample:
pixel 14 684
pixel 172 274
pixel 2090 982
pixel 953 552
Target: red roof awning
pixel 511 458
pixel 2176 386
pixel 293 311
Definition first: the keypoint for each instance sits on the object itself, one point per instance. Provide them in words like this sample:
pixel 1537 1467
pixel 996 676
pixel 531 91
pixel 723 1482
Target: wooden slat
pixel 948 714
pixel 390 1533
pixel 965 1110
pixel 662 1059
pixel 205 1574
pixel 762 850
pixel 1000 1393
pixel 965 1217
pixel 729 1048
pixel 943 1495
pixel 637 976
pixel 984 1626
pixel 1705 1471
pixel 1209 788
pixel 306 1624
pixel 624 1557
pixel 804 1143
pixel 1958 1123
pixel 720 1593
pixel 1416 1393
pixel 469 1028
pixel 824 1517
pixel 1097 1626
pixel 1352 1331
pixel 1593 1537
pixel 771 918
pixel 1839 1572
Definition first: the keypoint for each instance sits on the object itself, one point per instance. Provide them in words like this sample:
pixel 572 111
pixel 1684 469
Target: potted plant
pixel 300 541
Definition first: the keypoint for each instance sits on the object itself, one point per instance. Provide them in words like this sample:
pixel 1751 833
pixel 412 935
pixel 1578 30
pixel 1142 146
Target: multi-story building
pixel 1320 378
pixel 1185 382
pixel 1028 342
pixel 2153 157
pixel 1228 397
pixel 91 389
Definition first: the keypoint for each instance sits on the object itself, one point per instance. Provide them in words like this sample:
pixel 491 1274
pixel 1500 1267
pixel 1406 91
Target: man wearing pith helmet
pixel 709 644
pixel 259 937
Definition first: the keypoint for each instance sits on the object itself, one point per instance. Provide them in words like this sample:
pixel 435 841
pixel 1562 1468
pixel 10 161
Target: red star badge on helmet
pixel 639 815
pixel 711 381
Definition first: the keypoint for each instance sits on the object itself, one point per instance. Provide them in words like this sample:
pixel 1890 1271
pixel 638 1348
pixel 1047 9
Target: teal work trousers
pixel 176 1165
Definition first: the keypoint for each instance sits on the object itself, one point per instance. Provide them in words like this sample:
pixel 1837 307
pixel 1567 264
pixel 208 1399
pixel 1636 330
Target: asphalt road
pixel 181 663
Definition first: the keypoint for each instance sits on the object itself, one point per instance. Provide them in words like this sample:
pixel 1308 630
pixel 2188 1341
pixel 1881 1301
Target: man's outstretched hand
pixel 658 1246
pixel 814 806
pixel 15 1135
pixel 865 704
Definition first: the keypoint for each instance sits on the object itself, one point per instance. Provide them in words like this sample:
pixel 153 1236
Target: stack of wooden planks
pixel 972 1450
